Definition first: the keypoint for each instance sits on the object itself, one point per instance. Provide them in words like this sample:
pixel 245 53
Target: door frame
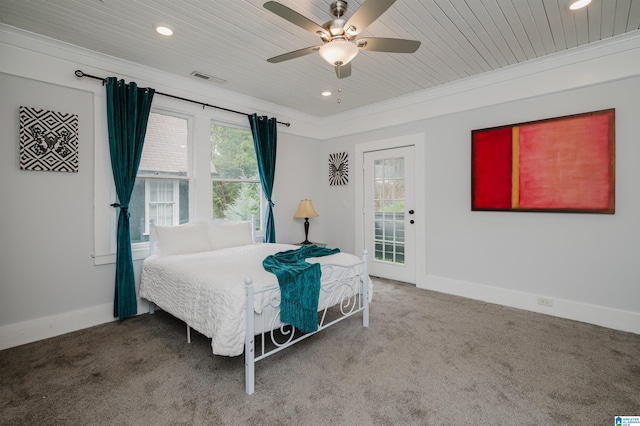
pixel 418 141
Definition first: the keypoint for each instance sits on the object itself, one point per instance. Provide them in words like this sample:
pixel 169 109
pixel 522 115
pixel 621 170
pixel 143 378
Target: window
pixel 237 193
pixel 161 192
pixel 181 147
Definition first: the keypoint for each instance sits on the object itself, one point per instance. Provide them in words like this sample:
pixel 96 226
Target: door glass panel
pixel 400 253
pixel 389 184
pixel 400 232
pixel 399 169
pixel 388 167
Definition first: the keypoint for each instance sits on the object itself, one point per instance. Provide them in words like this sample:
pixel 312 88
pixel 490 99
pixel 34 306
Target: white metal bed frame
pixel 347 299
pixel 347 292
pixel 341 294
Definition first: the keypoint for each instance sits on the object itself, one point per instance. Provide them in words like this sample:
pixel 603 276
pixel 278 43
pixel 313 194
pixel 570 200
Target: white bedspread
pixel 206 290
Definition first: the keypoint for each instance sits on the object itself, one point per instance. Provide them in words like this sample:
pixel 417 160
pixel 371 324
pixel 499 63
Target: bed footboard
pixel 344 294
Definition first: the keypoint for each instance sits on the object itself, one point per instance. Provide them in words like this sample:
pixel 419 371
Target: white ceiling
pixel 231 40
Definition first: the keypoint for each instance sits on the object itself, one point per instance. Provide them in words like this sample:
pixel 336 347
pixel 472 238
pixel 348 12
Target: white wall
pixel 587 263
pixel 46 223
pixel 297 171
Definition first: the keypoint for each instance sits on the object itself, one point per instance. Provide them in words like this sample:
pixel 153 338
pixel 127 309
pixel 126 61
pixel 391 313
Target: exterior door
pixel 389 213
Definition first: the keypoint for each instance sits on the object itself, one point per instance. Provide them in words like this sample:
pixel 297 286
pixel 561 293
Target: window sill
pixel 105 259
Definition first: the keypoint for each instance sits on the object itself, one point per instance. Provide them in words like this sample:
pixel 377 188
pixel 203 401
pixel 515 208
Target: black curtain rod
pixel 81 74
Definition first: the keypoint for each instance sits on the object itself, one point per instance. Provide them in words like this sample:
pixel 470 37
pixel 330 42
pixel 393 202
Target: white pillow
pixel 229 233
pixel 183 239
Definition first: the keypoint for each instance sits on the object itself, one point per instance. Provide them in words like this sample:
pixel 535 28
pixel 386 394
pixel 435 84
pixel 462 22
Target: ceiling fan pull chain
pixel 339 101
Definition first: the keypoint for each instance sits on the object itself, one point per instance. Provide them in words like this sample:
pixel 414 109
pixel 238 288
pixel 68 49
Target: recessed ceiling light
pixel 163 29
pixel 579 4
pixel 326 93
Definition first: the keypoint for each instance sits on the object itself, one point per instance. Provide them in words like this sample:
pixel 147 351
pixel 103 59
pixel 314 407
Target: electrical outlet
pixel 545 301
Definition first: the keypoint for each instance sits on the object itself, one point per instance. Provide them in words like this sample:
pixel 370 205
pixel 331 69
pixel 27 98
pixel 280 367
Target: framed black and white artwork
pixel 48 140
pixel 339 168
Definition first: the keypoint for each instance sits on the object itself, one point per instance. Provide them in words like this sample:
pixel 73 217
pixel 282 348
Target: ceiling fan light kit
pixel 338 34
pixel 338 52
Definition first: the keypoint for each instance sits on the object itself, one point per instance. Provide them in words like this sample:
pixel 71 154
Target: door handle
pixel 411 212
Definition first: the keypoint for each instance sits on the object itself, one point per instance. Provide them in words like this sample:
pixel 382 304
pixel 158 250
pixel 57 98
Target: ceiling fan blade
pixel 368 12
pixel 295 18
pixel 343 71
pixel 391 45
pixel 294 54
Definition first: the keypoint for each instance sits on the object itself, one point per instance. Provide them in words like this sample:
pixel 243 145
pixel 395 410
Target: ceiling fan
pixel 339 34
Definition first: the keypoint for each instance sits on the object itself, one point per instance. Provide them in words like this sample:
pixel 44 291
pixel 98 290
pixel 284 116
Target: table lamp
pixel 306 210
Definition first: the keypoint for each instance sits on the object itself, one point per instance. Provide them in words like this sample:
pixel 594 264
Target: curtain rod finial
pixel 79 73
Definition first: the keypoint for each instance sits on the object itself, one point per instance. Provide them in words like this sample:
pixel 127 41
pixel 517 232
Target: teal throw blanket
pixel 299 284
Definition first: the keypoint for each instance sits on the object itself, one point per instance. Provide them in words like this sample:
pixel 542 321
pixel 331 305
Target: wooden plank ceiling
pixel 231 40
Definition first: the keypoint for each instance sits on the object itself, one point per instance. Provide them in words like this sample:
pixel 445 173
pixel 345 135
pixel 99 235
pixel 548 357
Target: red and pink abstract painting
pixel 564 164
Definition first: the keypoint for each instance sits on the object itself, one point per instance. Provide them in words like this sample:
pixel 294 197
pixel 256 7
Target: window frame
pixel 199 162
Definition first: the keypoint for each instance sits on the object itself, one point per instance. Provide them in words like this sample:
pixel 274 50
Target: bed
pixel 210 275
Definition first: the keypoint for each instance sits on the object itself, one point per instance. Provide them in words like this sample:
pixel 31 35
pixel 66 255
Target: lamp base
pixel 306 241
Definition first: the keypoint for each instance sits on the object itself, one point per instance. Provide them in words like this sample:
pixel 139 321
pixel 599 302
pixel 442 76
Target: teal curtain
pixel 127 114
pixel 265 142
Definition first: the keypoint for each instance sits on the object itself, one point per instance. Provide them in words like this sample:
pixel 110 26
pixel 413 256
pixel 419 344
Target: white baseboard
pixel 43 328
pixel 592 314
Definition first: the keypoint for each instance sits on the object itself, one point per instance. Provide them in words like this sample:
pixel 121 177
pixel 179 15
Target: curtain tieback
pixel 271 203
pixel 122 208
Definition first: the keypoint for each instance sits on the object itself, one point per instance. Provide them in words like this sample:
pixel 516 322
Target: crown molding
pixel 609 60
pixel 66 58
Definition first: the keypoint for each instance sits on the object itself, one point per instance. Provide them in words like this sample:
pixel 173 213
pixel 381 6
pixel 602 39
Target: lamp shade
pixel 306 210
pixel 338 52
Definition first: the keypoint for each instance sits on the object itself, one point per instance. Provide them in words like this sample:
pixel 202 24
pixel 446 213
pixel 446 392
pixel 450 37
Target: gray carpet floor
pixel 426 359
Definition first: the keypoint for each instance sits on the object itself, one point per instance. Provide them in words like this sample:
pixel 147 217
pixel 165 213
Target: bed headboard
pixel 201 236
